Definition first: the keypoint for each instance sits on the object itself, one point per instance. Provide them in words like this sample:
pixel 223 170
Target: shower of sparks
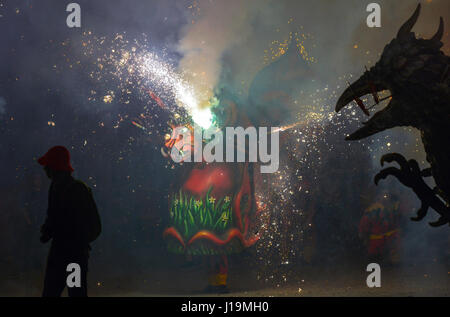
pixel 278 48
pixel 313 135
pixel 137 68
pixel 162 75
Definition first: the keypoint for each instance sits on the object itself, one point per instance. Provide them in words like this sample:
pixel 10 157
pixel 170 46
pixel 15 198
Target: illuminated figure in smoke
pixel 213 209
pixel 380 229
pixel 213 213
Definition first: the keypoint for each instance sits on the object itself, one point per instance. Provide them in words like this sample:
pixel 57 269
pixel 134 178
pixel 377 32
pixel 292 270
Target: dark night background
pixel 44 101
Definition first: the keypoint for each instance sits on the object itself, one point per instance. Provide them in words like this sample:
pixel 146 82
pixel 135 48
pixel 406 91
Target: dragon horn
pixel 440 31
pixel 408 25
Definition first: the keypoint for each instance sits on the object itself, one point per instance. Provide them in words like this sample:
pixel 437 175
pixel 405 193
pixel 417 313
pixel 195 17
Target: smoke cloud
pixel 219 26
pixel 229 40
pixel 226 43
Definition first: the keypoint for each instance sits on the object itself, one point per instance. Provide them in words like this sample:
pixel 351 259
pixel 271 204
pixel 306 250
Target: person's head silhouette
pixel 56 161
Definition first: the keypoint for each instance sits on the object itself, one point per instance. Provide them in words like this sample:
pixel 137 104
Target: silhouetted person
pixel 72 223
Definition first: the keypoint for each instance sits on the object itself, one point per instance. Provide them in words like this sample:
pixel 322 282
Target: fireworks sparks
pixel 136 68
pixel 138 71
pixel 278 48
pixel 108 98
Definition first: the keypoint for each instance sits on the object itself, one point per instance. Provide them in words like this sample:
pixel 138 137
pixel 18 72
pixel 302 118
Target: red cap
pixel 57 158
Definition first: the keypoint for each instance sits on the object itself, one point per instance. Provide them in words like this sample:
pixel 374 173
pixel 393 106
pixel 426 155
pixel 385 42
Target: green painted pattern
pixel 189 215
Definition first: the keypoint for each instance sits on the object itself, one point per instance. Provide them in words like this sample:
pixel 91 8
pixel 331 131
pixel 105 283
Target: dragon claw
pixel 410 175
pixel 394 171
pixel 421 213
pixel 394 157
pixel 440 222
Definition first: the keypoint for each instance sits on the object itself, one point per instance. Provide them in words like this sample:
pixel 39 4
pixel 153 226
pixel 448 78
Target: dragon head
pixel 405 68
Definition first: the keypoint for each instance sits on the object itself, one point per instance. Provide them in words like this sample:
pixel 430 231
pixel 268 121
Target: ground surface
pixel 423 279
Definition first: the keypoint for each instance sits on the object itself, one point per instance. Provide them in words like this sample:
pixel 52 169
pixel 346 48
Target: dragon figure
pixel 416 72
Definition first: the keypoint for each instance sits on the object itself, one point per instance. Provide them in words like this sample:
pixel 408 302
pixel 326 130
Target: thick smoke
pixel 232 36
pixel 219 26
pixel 226 44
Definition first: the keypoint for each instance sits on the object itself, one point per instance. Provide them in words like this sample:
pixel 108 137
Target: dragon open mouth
pixel 381 120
